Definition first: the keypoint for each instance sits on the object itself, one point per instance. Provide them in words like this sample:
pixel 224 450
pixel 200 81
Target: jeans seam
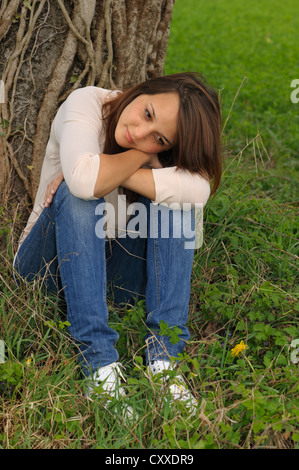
pixel 157 272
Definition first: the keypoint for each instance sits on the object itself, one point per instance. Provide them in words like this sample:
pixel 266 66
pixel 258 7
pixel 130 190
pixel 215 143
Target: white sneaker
pixel 107 380
pixel 176 385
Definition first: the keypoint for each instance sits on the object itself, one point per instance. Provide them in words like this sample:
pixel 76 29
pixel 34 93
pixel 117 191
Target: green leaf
pixel 27 4
pixel 74 78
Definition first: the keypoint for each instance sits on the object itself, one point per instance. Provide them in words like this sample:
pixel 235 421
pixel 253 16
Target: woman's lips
pixel 129 138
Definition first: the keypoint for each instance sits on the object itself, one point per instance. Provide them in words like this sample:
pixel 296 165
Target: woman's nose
pixel 141 132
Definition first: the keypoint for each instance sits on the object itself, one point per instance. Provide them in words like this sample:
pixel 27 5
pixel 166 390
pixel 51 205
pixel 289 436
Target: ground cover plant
pixel 241 362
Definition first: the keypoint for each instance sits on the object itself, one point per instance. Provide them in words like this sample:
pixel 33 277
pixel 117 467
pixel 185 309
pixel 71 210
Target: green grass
pixel 244 285
pixel 229 42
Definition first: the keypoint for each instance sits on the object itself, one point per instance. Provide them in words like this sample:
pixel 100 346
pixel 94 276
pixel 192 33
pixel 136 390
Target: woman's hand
pixel 52 188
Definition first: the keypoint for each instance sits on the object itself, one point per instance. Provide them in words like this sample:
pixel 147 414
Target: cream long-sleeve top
pixel 75 145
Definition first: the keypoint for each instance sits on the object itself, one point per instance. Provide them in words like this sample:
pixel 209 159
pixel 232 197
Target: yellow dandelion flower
pixel 28 361
pixel 239 348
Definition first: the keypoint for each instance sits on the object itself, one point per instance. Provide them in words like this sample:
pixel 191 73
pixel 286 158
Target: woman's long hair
pixel 198 143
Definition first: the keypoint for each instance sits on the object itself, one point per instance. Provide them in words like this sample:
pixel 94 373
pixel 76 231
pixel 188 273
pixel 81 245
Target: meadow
pixel 244 285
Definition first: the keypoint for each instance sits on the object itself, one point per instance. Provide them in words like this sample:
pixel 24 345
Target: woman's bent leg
pixel 81 262
pixel 159 267
pixel 36 258
pixel 170 251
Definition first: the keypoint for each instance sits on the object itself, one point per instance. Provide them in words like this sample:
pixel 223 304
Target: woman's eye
pixel 160 141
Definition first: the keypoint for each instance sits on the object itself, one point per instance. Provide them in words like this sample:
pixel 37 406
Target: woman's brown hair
pixel 198 143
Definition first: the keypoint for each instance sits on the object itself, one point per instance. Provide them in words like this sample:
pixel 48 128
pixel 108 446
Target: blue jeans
pixel 65 252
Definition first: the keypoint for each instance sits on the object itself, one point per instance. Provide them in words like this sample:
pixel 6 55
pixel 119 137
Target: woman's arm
pixel 124 169
pixel 179 186
pixel 113 169
pixel 141 182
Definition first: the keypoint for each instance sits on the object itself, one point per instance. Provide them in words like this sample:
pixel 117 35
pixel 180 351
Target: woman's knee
pixel 80 211
pixel 166 222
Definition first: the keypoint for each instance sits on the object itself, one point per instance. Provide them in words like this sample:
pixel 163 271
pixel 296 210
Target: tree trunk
pixel 48 49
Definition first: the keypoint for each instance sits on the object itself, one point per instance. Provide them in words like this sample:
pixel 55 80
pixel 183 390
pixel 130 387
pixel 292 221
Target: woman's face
pixel 149 123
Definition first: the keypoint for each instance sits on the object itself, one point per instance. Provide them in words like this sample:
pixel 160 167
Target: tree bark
pixel 48 49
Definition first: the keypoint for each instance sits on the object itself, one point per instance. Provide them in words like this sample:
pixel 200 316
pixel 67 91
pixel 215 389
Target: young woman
pixel 157 143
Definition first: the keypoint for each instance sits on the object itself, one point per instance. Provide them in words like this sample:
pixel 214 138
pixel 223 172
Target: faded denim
pixel 63 250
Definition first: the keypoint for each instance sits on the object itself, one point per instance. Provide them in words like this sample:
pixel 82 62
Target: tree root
pixel 108 43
